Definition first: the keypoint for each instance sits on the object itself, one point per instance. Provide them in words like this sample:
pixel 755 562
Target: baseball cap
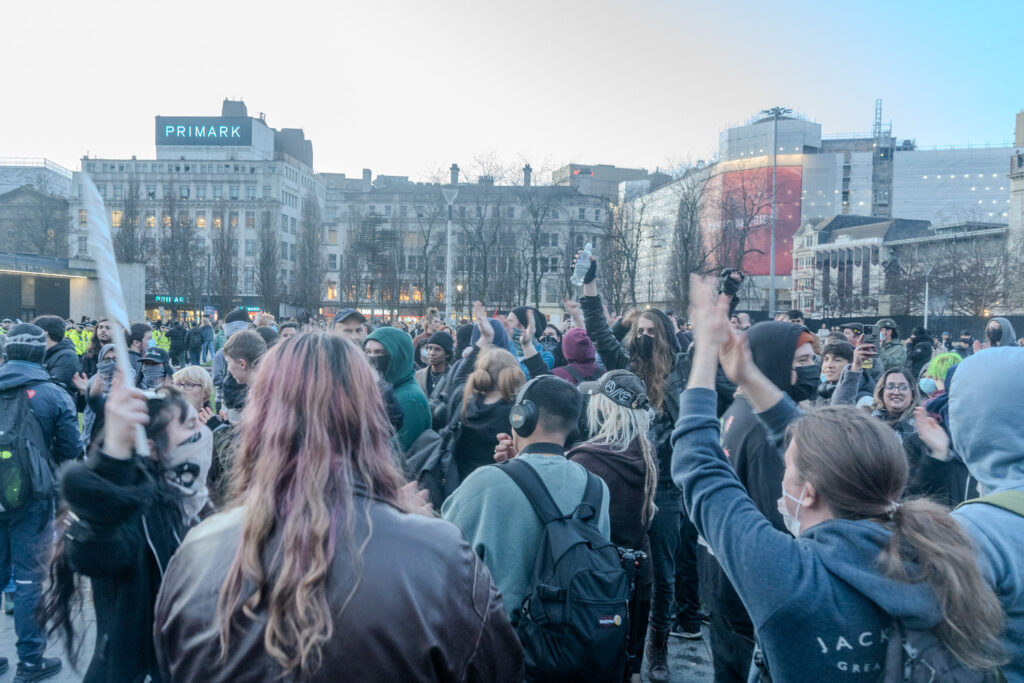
pixel 347 313
pixel 621 387
pixel 888 322
pixel 858 328
pixel 155 354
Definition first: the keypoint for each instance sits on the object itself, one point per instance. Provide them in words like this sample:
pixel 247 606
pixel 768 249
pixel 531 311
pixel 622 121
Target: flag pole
pixel 101 247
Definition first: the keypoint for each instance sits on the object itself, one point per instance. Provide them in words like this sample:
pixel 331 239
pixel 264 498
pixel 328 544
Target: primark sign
pixel 204 130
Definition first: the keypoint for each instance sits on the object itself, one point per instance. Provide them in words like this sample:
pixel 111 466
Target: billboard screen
pixel 233 131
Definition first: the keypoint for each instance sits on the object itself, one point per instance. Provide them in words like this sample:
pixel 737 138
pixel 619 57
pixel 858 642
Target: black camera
pixel 728 284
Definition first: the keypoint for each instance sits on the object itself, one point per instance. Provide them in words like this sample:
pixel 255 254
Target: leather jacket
pixel 424 609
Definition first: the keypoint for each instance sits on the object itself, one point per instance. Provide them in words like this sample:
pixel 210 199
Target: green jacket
pixel 892 355
pixel 400 374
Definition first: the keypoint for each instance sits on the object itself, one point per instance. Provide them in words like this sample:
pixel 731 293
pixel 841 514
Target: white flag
pixel 101 246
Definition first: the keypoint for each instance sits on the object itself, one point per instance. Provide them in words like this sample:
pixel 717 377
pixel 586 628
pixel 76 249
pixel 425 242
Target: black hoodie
pixel 481 424
pixel 758 462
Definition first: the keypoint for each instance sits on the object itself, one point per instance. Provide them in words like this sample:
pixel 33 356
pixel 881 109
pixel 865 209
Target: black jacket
pixel 176 336
pixel 61 361
pixel 424 608
pixel 478 435
pixel 128 528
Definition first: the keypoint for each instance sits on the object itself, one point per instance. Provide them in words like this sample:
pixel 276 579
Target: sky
pixel 407 88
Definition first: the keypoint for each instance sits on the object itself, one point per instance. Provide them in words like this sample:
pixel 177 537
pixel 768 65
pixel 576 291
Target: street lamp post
pixel 775 113
pixel 450 193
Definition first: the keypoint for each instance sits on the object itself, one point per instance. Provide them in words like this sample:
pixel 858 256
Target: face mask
pixel 185 469
pixel 792 522
pixel 152 375
pixel 548 343
pixel 151 343
pixel 644 346
pixel 806 383
pixel 423 355
pixel 380 364
pixel 995 334
pixel 106 368
pixel 823 378
pixel 927 386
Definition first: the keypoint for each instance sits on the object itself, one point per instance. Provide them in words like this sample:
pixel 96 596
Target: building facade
pixel 871 174
pixel 221 197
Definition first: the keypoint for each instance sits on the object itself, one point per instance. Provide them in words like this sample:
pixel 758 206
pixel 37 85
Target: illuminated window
pixel 151 219
pixel 201 219
pixel 83 217
pixel 218 221
pixel 233 219
pixel 116 218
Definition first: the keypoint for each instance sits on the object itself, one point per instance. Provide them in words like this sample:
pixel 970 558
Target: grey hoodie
pixel 821 608
pixel 988 433
pixel 1009 337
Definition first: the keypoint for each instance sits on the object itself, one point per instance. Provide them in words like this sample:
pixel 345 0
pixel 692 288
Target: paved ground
pixel 689 660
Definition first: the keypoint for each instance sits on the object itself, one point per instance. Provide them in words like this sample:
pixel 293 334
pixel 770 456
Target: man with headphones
pixel 496 517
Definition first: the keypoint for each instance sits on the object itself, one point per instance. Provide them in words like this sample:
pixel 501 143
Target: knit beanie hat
pixel 442 339
pixel 577 346
pixel 26 342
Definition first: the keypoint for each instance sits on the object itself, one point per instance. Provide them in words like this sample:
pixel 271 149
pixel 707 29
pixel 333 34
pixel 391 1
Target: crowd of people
pixel 514 497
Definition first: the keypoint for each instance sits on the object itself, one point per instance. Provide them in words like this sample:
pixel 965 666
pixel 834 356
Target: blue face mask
pixel 927 386
pixel 151 343
pixel 824 379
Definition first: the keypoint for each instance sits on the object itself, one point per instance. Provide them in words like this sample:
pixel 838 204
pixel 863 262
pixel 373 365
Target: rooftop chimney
pixel 455 174
pixel 367 179
pixel 527 175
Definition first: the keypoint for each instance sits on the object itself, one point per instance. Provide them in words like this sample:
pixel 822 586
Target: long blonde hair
pixel 618 427
pixel 314 428
pixel 495 369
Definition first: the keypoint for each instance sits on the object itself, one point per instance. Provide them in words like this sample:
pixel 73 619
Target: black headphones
pixel 524 413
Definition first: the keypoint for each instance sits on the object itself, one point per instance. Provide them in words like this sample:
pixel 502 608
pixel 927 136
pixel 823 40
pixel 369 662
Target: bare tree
pixel 481 221
pixel 132 243
pixel 224 254
pixel 178 255
pixel 311 264
pixel 431 225
pixel 268 264
pixel 976 274
pixel 622 254
pixel 744 204
pixel 35 223
pixel 694 248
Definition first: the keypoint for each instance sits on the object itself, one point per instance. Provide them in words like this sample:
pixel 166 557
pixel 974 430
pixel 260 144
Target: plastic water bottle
pixel 582 266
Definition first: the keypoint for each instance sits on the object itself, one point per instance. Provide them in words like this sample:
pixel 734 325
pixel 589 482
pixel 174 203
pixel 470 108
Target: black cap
pixel 347 313
pixel 858 328
pixel 154 354
pixel 620 386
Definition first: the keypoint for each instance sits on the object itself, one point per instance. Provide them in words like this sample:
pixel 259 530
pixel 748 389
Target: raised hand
pixel 80 381
pixel 483 324
pixel 932 434
pixel 125 409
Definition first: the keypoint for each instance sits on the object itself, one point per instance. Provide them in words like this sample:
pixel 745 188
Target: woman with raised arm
pixel 863 566
pixel 316 572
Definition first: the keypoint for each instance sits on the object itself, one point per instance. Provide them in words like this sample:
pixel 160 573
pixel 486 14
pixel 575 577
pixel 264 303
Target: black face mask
pixel 808 378
pixel 548 343
pixel 644 346
pixel 995 334
pixel 380 363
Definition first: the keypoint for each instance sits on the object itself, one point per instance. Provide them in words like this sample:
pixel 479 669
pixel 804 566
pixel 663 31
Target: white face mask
pixel 792 522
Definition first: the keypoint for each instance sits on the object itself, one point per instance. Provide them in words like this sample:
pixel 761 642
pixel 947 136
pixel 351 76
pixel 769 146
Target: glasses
pixel 897 387
pixel 188 386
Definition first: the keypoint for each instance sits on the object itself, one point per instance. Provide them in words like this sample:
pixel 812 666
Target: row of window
pixel 182 167
pixel 202 191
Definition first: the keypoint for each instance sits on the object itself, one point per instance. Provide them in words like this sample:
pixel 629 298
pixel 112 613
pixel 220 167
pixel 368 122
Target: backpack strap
pixel 592 495
pixel 1011 501
pixel 533 488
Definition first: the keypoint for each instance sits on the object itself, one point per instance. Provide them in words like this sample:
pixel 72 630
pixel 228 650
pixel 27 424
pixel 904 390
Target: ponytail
pixel 495 369
pixel 927 538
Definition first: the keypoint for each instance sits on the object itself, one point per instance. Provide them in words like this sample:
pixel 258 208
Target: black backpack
pixel 25 463
pixel 920 657
pixel 574 620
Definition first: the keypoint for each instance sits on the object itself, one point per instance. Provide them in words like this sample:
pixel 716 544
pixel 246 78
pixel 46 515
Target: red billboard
pixel 742 205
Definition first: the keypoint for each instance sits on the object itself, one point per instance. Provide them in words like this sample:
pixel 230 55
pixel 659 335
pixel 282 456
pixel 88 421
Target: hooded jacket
pixel 819 606
pixel 988 433
pixel 756 459
pixel 579 353
pixel 399 373
pixel 61 361
pixel 478 435
pixel 1009 337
